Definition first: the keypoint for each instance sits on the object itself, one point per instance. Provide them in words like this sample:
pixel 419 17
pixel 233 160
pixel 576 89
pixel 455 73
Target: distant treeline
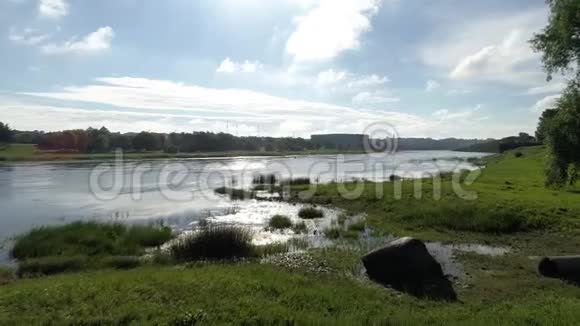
pixel 502 145
pixel 102 141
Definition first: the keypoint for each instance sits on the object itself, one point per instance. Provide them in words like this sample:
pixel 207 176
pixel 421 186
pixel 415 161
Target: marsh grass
pixel 279 222
pixel 214 243
pixel 309 213
pixel 272 249
pixel 89 239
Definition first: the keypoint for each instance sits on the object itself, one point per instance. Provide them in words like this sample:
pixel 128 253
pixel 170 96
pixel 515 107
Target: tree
pixel 5 133
pixel 559 42
pixel 559 128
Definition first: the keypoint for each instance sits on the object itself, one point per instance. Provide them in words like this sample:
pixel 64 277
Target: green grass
pixel 280 222
pixel 310 213
pixel 252 293
pixel 88 239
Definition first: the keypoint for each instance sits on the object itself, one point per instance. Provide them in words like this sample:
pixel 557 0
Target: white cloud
pixel 491 49
pixel 545 103
pixel 459 91
pixel 550 88
pixel 93 43
pixel 53 8
pixel 330 77
pixel 27 36
pixel 187 102
pixel 373 99
pixel 432 85
pixel 229 66
pixel 331 28
pixel 368 81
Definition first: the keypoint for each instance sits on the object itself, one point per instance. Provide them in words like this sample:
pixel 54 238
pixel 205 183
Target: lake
pixel 180 191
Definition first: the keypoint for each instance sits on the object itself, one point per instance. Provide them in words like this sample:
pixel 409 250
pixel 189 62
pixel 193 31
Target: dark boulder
pixel 406 265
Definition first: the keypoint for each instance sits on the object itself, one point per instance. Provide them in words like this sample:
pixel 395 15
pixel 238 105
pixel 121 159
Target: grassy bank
pixel 512 208
pixel 29 153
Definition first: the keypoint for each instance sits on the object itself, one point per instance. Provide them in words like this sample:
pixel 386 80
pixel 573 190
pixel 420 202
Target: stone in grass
pixel 407 266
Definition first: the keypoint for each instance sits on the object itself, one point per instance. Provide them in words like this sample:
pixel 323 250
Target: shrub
pixel 310 213
pixel 280 222
pixel 122 262
pixel 235 194
pixel 518 154
pixel 214 243
pixel 89 239
pixel 51 265
pixel 265 179
pixel 299 228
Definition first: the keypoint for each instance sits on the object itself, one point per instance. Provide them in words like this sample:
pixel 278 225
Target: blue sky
pixel 446 68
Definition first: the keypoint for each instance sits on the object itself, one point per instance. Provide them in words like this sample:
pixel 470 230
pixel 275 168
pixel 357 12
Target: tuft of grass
pixel 235 194
pixel 310 213
pixel 300 228
pixel 214 243
pixel 89 239
pixel 265 179
pixel 280 222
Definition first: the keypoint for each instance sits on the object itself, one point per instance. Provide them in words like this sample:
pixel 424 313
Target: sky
pixel 445 68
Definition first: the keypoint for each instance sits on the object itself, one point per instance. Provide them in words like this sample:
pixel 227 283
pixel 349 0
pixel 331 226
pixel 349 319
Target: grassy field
pixel 27 152
pixel 513 208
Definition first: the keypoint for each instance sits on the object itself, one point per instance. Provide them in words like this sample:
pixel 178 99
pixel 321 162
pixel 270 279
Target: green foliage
pixel 558 42
pixel 280 222
pixel 310 213
pixel 358 226
pixel 6 134
pixel 214 243
pixel 563 138
pixel 88 239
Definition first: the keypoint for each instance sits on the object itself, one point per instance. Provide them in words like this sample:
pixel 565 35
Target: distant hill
pixel 502 145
